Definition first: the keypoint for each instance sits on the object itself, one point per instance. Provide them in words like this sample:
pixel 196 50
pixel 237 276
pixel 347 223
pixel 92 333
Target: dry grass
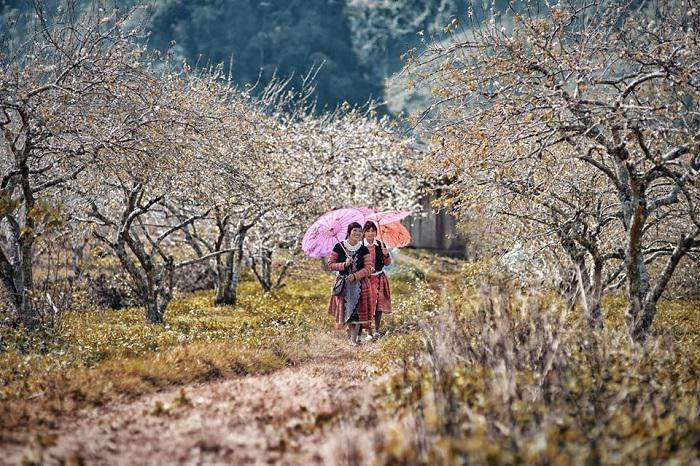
pixel 473 376
pixel 508 378
pixel 106 355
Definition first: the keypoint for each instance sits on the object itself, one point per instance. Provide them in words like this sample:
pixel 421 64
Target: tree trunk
pixel 18 277
pixel 153 311
pixel 640 317
pixel 636 271
pixel 590 291
pixel 224 266
pixel 639 328
pixel 19 286
pixel 78 249
pixel 16 260
pixel 264 275
pixel 226 293
pixel 588 282
pixel 153 282
pixel 232 288
pixel 160 293
pixel 27 313
pixel 266 265
pixel 596 294
pixel 156 304
pixel 17 270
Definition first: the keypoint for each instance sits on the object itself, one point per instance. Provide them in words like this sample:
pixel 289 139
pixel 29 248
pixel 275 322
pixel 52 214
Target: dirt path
pixel 300 415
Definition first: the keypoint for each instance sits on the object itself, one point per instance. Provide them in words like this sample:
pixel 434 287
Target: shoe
pixel 376 335
pixel 369 337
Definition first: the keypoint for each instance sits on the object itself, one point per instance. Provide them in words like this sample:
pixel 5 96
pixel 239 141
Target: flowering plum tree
pixel 577 126
pixel 54 90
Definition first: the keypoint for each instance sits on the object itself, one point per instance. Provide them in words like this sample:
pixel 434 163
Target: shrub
pixel 196 277
pixel 112 293
pixel 509 378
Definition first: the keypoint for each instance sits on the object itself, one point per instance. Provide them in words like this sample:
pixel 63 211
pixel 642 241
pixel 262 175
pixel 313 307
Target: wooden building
pixel 435 231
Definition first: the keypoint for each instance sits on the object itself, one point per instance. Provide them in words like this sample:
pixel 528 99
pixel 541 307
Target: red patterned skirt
pixel 381 294
pixel 364 307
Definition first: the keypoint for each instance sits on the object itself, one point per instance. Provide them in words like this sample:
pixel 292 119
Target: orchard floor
pixel 119 392
pixel 298 415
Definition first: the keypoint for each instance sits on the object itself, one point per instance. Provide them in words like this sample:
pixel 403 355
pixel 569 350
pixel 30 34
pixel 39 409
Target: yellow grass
pixel 454 392
pixel 105 355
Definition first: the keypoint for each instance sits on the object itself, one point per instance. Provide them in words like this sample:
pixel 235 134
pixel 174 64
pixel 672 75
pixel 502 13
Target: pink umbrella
pixel 366 211
pixel 328 230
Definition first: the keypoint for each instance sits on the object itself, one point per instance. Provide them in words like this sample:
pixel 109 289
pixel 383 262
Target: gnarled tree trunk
pixel 230 269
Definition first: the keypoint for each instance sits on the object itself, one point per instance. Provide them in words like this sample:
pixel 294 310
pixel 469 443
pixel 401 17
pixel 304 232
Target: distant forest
pixel 358 42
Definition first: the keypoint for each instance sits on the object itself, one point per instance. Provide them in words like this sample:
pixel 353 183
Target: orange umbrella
pixel 394 234
pixel 388 216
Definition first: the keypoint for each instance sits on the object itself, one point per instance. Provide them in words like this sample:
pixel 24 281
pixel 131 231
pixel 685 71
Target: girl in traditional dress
pixel 380 294
pixel 351 308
